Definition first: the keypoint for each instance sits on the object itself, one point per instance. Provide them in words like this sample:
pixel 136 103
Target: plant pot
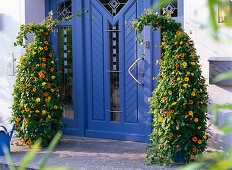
pixel 179 158
pixel 180 155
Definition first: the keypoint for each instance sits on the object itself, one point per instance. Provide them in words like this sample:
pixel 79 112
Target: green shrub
pixel 179 102
pixel 37 108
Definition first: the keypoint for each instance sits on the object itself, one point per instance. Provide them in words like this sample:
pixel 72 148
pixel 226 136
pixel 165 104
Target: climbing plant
pixel 179 102
pixel 37 107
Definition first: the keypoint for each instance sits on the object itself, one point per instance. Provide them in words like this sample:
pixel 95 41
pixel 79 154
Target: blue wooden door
pixel 116 103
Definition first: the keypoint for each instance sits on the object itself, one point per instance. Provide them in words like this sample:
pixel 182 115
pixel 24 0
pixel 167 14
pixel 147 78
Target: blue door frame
pixel 82 125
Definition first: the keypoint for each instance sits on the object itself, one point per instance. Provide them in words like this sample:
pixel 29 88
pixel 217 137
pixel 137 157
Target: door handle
pixel 130 68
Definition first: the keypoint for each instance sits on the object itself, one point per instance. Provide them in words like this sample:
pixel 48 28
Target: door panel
pixel 114 108
pixel 97 65
pixel 131 87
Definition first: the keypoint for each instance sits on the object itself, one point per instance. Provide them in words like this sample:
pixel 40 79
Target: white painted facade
pixel 13 13
pixel 195 16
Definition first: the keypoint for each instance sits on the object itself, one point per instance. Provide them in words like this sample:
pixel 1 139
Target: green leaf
pixel 193 166
pixel 225 128
pixel 51 147
pixel 161 4
pixel 224 76
pixel 30 155
pixel 8 158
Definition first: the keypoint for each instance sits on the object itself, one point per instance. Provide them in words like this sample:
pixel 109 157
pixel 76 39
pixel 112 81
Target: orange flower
pixel 45 94
pixel 199 141
pixel 181 26
pixel 41 74
pixel 52 69
pixel 187 44
pixel 17 120
pixel 57 90
pixel 48 85
pixel 50 28
pixel 173 83
pixel 178 123
pixel 25 137
pixel 44 72
pixel 44 59
pixel 164 98
pixel 29 27
pixel 47 100
pixel 190 102
pixel 54 50
pixel 178 32
pixel 157 22
pixel 194 149
pixel 29 142
pixel 179 136
pixel 22 111
pixel 26 120
pixel 46 33
pixel 147 12
pixel 191 52
pixel 20 140
pixel 171 135
pixel 50 55
pixel 194 139
pixel 177 146
pixel 168 115
pixel 176 56
pixel 182 54
pixel 172 111
pixel 32 66
pixel 46 42
pixel 177 65
pixel 34 89
pixel 174 71
pixel 44 65
pixel 46 48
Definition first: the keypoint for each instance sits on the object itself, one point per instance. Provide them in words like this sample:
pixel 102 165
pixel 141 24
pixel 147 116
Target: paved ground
pixel 90 153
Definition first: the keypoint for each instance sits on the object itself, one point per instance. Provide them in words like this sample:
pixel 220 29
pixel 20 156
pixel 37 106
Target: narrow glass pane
pixel 66 68
pixel 224 12
pixel 172 8
pixel 113 6
pixel 114 76
pixel 64 9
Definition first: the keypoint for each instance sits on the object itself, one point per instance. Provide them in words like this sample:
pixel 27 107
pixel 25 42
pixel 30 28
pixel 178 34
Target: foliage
pixel 216 160
pixel 37 107
pixel 179 102
pixel 32 154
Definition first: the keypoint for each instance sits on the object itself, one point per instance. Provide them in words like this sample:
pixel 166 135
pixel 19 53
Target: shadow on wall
pixel 9 28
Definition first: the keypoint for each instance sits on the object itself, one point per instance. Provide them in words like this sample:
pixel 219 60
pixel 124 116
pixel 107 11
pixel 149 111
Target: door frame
pixel 80 53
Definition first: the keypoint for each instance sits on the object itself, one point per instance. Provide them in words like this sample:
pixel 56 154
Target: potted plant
pixel 179 102
pixel 37 108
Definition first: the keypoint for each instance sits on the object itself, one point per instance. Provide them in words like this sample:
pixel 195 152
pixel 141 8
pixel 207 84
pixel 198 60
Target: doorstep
pixel 89 153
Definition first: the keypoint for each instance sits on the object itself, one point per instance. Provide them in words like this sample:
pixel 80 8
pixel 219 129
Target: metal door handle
pixel 129 70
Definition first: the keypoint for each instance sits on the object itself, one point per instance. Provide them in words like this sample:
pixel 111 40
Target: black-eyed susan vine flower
pixel 37 108
pixel 179 103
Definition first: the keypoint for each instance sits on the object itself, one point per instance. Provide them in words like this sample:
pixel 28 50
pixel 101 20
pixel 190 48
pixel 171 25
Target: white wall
pixel 196 15
pixel 12 15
